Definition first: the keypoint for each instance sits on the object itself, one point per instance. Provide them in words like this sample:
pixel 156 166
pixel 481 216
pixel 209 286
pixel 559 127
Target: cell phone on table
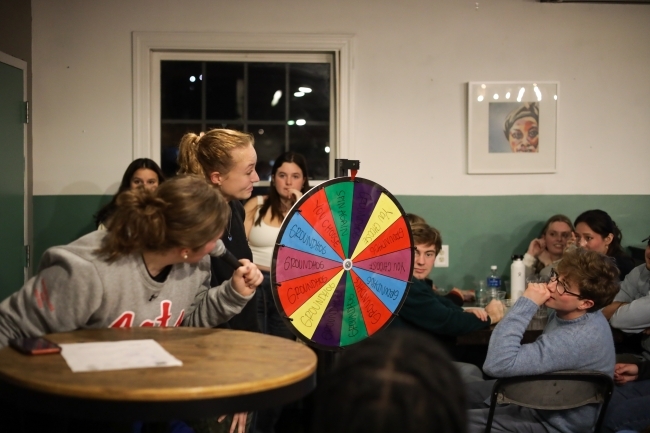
pixel 35 346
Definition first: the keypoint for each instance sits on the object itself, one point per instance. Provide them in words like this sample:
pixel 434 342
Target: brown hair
pixel 423 234
pixel 600 222
pixel 539 265
pixel 595 274
pixel 554 219
pixel 413 219
pixel 273 200
pixel 183 212
pixel 205 153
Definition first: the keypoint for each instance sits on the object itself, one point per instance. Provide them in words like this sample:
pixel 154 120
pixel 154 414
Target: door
pixel 12 174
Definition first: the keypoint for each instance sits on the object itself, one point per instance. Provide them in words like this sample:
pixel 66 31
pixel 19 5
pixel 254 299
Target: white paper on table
pixel 117 355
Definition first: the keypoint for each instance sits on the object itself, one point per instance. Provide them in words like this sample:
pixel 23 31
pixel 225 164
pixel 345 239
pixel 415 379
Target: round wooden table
pixel 224 371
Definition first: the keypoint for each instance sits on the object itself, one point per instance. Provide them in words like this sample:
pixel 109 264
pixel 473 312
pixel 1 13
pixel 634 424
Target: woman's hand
pixel 624 373
pixel 572 243
pixel 246 278
pixel 537 292
pixel 294 195
pixel 478 312
pixel 536 247
pixel 238 422
pixel 495 309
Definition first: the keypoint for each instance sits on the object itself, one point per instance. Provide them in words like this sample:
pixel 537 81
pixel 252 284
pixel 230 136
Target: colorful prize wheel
pixel 342 263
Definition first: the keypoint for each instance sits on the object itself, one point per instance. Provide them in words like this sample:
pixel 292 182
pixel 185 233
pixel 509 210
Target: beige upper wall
pixel 412 62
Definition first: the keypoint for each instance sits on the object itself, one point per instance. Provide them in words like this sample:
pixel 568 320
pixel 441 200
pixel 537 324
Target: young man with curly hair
pixel 577 337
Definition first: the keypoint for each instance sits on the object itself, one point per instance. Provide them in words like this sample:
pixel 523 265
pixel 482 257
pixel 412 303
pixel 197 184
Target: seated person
pixel 141 173
pixel 550 245
pixel 458 296
pixel 596 231
pixel 628 408
pixel 630 311
pixel 425 310
pixel 151 268
pixel 577 337
pixel 399 380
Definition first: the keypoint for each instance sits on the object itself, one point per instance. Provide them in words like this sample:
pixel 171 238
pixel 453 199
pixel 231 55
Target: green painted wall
pixel 480 231
pixel 60 219
pixel 484 231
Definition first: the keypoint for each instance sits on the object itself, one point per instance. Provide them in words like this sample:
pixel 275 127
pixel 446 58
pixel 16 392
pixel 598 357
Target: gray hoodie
pixel 77 289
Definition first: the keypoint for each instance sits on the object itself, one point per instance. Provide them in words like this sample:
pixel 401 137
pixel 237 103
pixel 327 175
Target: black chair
pixel 554 391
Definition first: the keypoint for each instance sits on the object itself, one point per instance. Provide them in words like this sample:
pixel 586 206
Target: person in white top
pixel 557 234
pixel 264 216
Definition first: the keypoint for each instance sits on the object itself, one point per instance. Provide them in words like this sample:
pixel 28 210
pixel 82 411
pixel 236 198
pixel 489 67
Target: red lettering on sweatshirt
pixel 43 296
pixel 180 319
pixel 165 314
pixel 46 296
pixel 124 321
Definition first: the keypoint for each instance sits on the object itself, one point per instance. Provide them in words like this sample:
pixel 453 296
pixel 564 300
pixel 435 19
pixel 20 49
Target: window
pixel 242 58
pixel 286 105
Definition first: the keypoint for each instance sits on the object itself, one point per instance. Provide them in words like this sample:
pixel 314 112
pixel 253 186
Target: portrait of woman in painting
pixel 521 128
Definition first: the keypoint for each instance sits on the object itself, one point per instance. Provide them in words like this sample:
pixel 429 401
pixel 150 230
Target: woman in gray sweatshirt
pixel 150 268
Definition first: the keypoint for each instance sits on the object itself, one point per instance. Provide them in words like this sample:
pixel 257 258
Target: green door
pixel 12 180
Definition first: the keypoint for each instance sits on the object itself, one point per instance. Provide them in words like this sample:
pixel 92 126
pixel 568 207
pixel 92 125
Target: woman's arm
pixel 61 297
pixel 250 208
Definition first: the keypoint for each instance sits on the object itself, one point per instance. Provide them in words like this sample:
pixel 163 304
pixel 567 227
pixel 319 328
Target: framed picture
pixel 512 127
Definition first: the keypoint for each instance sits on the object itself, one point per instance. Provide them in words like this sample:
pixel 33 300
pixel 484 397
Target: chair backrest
pixel 554 391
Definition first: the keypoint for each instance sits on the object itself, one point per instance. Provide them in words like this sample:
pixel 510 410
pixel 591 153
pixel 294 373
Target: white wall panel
pixel 413 60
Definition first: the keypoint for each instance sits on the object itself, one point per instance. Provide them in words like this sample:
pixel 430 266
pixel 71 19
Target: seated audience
pixel 398 380
pixel 150 268
pixel 141 173
pixel 628 408
pixel 630 311
pixel 427 311
pixel 596 231
pixel 577 337
pixel 549 246
pixel 458 296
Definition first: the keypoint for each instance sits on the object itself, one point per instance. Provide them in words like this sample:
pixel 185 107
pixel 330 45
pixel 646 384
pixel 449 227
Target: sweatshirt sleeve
pixel 213 306
pixel 61 297
pixel 529 262
pixel 433 313
pixel 633 317
pixel 560 349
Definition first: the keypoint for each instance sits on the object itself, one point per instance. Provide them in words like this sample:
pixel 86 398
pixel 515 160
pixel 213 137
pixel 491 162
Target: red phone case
pixel 35 346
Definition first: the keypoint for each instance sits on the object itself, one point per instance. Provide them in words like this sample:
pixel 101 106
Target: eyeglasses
pixel 560 288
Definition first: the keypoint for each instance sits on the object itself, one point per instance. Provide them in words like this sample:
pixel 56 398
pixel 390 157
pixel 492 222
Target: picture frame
pixel 512 127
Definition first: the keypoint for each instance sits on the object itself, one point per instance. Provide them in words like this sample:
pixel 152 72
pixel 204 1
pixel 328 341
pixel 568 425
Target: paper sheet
pixel 117 355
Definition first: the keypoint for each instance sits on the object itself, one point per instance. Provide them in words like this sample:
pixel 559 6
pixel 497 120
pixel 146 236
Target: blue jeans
pixel 628 408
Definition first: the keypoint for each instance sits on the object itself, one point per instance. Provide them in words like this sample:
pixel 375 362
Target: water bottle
pixel 493 281
pixel 517 278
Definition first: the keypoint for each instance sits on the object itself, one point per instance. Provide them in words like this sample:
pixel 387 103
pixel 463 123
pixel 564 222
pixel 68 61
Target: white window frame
pixel 148 46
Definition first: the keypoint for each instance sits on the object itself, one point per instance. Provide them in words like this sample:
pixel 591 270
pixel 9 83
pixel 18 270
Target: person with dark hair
pixel 398 380
pixel 456 295
pixel 576 337
pixel 425 310
pixel 264 216
pixel 549 246
pixel 595 230
pixel 141 173
pixel 149 269
pixel 227 159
